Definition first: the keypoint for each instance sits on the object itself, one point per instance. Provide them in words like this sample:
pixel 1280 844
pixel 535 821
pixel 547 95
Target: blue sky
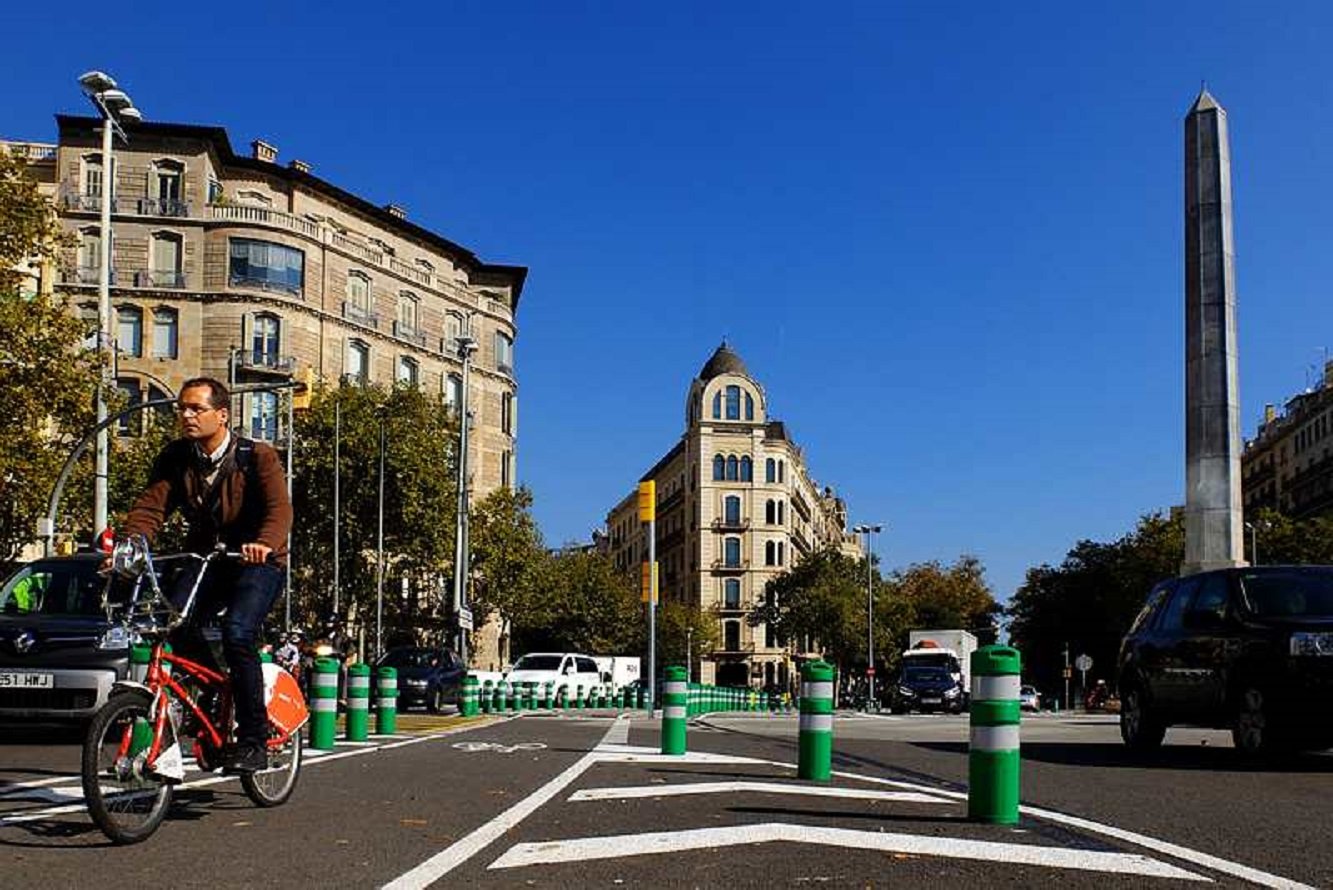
pixel 946 239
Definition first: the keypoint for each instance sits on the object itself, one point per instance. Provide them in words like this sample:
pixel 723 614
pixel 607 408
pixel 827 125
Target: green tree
pixel 681 626
pixel 821 598
pixel 947 597
pixel 1281 540
pixel 508 559
pixel 582 603
pixel 47 378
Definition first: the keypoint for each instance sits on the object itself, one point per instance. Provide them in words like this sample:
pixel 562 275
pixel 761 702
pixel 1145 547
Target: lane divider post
pixel 993 752
pixel 358 702
pixel 386 701
pixel 467 701
pixel 815 741
pixel 674 697
pixel 324 704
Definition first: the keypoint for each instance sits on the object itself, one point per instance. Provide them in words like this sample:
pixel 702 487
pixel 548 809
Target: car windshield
pixel 940 661
pixel 538 663
pixel 54 588
pixel 1289 594
pixel 411 658
pixel 924 672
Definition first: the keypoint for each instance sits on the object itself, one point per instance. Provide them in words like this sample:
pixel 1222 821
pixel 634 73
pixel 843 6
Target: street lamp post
pixel 868 530
pixel 114 106
pixel 381 412
pixel 466 346
pixel 689 644
pixel 1254 543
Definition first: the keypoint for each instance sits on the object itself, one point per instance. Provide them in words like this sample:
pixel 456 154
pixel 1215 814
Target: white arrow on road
pixel 620 846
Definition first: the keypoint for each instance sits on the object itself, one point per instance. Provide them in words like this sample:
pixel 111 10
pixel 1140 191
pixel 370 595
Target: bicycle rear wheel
pixel 271 787
pixel 126 802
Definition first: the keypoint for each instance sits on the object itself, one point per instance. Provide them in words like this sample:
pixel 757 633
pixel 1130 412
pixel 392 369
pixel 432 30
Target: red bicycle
pixel 134 752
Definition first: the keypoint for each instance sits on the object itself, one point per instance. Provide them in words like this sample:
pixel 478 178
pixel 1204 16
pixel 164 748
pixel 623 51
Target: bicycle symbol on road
pixel 474 747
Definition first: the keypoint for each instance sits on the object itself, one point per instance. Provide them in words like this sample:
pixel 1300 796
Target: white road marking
pixel 463 849
pixel 618 846
pixel 640 791
pixel 10 789
pixel 619 734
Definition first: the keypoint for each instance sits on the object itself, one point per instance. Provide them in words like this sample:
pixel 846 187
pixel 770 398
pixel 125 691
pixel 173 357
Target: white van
pixel 565 670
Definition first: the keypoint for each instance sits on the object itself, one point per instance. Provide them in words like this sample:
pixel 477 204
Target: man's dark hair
pixel 218 394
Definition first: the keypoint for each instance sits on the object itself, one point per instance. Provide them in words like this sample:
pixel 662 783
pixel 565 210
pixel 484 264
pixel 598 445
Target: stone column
pixel 1213 522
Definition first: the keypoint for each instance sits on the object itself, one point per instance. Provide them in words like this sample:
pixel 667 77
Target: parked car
pixel 59 655
pixel 427 677
pixel 1249 649
pixel 565 670
pixel 1029 699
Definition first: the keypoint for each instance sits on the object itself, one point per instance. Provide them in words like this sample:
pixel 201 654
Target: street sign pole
pixel 648 514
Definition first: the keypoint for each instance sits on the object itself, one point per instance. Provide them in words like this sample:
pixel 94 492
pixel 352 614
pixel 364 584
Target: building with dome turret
pixel 736 506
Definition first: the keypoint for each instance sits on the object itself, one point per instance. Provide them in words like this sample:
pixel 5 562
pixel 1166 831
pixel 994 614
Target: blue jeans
pixel 247 593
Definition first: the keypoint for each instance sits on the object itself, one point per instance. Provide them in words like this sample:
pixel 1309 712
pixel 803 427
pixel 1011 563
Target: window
pixel 782 512
pixel 130 424
pixel 504 353
pixel 166 183
pixel 165 332
pixel 92 176
pixel 507 469
pixel 408 308
pixel 717 405
pixel 782 471
pixel 770 553
pixel 770 512
pixel 358 362
pixel 453 391
pixel 782 553
pixel 264 416
pixel 747 469
pixel 358 293
pixel 732 510
pixel 733 403
pixel 129 330
pixel 264 340
pixel 214 191
pixel 266 265
pixel 425 266
pixel 507 413
pixel 408 370
pixel 90 252
pixel 733 468
pixel 166 260
pixel 749 406
pixel 731 634
pixel 91 324
pixel 719 468
pixel 770 470
pixel 731 596
pixel 732 552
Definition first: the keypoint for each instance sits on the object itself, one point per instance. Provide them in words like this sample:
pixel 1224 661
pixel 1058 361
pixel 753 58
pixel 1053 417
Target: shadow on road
pixel 42 734
pixel 1179 757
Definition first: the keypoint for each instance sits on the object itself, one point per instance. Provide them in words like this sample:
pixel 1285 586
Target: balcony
pixel 84 275
pixel 267 217
pixel 31 151
pixel 360 315
pixel 739 649
pixel 410 334
pixel 266 363
pixel 505 368
pixel 159 278
pixel 163 207
pixel 724 567
pixel 90 202
pixel 411 273
pixel 731 525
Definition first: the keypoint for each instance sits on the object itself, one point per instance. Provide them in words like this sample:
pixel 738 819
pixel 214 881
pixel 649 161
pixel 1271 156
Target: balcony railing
pixel 163 207
pixel 91 202
pixel 411 335
pixel 738 649
pixel 159 278
pixel 731 525
pixel 410 272
pixel 724 565
pixel 360 315
pixel 31 151
pixel 84 275
pixel 357 249
pixel 266 216
pixel 257 283
pixel 265 362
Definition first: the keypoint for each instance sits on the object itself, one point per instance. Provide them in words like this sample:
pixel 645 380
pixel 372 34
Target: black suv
pixel 59 656
pixel 1249 649
pixel 429 677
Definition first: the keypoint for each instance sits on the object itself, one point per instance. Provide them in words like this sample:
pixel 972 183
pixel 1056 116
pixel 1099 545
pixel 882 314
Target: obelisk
pixel 1213 522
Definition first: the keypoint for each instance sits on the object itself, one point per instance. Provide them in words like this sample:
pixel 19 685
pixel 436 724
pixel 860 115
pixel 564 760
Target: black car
pixel 59 656
pixel 426 676
pixel 1248 649
pixel 926 686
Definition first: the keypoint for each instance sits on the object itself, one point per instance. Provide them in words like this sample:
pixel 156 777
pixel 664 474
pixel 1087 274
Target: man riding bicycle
pixel 231 492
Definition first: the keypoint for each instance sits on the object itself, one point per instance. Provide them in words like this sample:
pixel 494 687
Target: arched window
pixel 719 468
pixel 358 362
pixel 165 178
pixel 130 424
pixel 770 470
pixel 782 471
pixel 717 405
pixel 90 254
pixel 731 633
pixel 770 514
pixel 782 553
pixel 129 330
pixel 165 261
pixel 732 552
pixel 91 174
pixel 733 402
pixel 782 512
pixel 732 510
pixel 747 469
pixel 165 332
pixel 733 468
pixel 264 340
pixel 770 553
pixel 409 308
pixel 749 406
pixel 453 391
pixel 731 596
pixel 408 370
pixel 358 294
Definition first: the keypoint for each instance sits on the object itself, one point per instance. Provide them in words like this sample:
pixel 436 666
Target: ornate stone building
pixel 1288 465
pixel 238 267
pixel 736 507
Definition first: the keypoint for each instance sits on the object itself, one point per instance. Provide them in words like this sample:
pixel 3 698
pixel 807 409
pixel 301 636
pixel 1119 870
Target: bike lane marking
pixel 655 791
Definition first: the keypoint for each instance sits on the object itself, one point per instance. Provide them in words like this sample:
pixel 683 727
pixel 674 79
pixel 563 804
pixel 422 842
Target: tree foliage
pixel 581 603
pixel 947 597
pixel 47 378
pixel 508 560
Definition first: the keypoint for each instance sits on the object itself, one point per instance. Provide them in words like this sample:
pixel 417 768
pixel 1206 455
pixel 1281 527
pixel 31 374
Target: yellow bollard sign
pixel 647 582
pixel 647 501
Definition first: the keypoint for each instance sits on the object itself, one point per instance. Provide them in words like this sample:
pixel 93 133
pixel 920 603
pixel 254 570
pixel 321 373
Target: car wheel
pixel 1253 730
pixel 435 700
pixel 1140 728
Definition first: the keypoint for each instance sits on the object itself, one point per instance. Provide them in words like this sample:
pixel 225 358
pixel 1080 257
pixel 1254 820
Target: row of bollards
pixel 993 751
pixel 324 703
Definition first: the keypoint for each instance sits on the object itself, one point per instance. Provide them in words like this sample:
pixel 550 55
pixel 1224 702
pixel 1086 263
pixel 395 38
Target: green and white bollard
pixel 140 655
pixel 498 697
pixel 486 694
pixel 674 699
pixel 386 702
pixel 467 701
pixel 546 695
pixel 324 704
pixel 993 755
pixel 358 702
pixel 816 722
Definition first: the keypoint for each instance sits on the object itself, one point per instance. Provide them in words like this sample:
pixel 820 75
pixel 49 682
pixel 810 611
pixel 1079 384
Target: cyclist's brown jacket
pixel 230 513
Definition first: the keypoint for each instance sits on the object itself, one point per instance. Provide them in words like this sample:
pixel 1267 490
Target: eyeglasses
pixel 193 410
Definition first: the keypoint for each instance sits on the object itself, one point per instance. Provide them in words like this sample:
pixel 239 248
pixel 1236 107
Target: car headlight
pixel 114 638
pixel 416 682
pixel 951 693
pixel 904 690
pixel 1312 643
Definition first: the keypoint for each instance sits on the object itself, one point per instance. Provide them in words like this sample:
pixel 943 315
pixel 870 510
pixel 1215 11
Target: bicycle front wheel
pixel 272 786
pixel 126 802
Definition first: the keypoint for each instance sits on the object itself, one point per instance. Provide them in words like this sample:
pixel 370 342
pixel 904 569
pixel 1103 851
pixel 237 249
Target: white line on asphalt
pixel 619 846
pixel 10 789
pixel 619 734
pixel 638 791
pixel 463 849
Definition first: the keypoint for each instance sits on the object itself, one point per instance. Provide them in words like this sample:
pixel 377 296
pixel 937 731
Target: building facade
pixel 1288 465
pixel 238 267
pixel 736 506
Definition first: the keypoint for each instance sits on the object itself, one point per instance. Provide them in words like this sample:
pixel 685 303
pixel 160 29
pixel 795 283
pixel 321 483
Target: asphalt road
pixel 587 801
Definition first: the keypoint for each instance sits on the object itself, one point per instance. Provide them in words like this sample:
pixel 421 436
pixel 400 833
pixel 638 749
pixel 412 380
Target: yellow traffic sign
pixel 647 501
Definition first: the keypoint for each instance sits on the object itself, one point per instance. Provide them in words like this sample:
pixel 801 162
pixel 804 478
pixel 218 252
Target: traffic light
pixel 305 388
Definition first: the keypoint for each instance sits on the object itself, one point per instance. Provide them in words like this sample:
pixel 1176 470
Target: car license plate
pixel 930 701
pixel 25 680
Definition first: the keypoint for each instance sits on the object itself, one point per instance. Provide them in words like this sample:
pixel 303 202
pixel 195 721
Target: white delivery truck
pixel 956 643
pixel 618 670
